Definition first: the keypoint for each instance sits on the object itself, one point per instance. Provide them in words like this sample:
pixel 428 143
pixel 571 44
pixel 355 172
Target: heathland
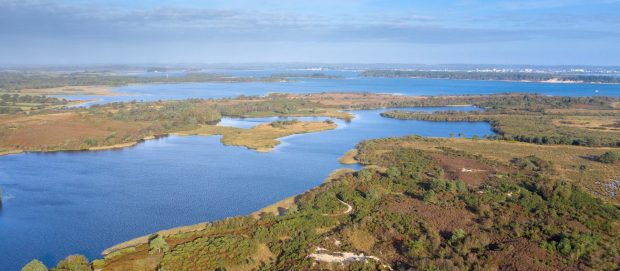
pixel 419 203
pixel 423 204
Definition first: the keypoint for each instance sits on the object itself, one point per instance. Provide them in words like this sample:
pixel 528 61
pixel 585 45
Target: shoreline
pixel 182 133
pixel 276 209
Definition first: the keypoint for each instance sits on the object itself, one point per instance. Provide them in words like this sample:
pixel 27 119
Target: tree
pixel 157 244
pixel 34 265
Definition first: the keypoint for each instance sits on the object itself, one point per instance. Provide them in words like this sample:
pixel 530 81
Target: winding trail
pixel 349 209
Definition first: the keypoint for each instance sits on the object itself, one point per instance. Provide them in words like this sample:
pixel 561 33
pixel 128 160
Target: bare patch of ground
pixel 472 172
pixel 324 255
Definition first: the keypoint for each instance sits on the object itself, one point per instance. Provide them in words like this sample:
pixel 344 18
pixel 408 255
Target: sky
pixel 534 32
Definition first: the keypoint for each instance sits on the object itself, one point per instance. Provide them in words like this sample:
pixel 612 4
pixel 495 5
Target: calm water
pixel 83 202
pixel 350 83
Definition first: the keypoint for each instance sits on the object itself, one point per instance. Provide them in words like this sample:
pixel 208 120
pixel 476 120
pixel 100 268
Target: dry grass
pixel 62 131
pixel 361 240
pixel 262 138
pixel 598 123
pixel 349 157
pixel 276 208
pixel 337 173
pixel 570 162
pixel 71 90
pixel 138 241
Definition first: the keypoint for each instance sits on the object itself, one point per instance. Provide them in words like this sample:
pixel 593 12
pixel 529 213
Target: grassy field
pixel 435 204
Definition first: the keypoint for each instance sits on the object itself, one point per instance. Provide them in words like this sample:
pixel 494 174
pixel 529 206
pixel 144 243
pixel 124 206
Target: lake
pixel 350 83
pixel 63 203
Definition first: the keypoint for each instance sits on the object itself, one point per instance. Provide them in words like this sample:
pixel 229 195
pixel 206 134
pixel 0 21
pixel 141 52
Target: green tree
pixel 157 244
pixel 34 265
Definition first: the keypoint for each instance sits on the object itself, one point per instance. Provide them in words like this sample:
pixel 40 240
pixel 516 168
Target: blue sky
pixel 544 32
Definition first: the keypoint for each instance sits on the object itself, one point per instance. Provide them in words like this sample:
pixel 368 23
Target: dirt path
pixel 349 209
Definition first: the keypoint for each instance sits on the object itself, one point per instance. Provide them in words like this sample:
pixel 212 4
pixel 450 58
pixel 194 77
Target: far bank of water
pixel 351 83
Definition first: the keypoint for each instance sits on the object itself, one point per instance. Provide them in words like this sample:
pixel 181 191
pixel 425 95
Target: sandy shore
pixel 349 157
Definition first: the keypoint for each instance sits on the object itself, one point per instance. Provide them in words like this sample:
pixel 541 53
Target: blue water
pixel 350 83
pixel 83 202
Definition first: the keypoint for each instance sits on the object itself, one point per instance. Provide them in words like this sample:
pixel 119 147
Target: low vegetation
pixel 609 157
pixel 263 137
pixel 498 209
pixel 538 119
pixel 34 265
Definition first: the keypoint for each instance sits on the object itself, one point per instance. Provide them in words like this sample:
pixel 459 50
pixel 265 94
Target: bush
pixel 157 244
pixel 34 265
pixel 73 263
pixel 609 157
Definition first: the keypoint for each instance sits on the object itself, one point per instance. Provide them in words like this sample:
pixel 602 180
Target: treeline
pixel 538 129
pixel 522 212
pixel 497 76
pixel 14 81
pixel 505 102
pixel 14 103
pixel 6 99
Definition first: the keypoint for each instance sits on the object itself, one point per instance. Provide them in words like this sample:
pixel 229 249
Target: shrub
pixel 609 157
pixel 34 265
pixel 73 263
pixel 157 244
